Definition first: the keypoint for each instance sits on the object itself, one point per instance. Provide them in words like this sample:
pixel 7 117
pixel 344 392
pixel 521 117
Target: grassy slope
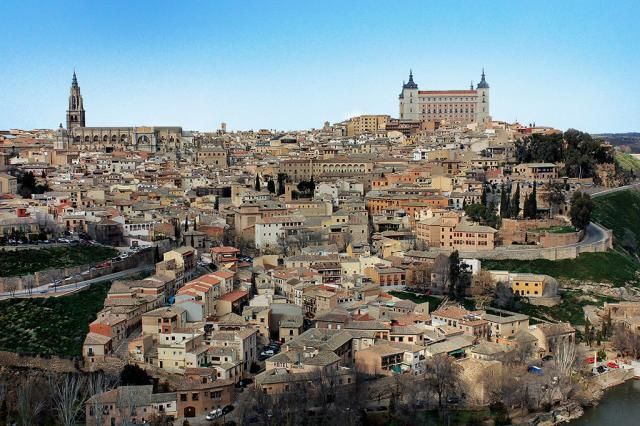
pixel 569 310
pixel 627 162
pixel 434 302
pixel 618 211
pixel 54 325
pixel 22 262
pixel 613 266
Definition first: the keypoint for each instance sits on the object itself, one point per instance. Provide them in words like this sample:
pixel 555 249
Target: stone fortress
pixel 454 106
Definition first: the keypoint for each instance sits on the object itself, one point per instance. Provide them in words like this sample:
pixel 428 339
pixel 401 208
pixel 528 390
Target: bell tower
pixel 75 112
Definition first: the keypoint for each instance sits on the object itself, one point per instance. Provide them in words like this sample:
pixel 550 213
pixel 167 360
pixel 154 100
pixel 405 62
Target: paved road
pixel 593 234
pixel 612 190
pixel 45 291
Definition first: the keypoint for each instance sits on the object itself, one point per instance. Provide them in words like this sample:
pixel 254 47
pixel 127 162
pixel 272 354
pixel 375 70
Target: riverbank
pixel 594 390
pixel 619 406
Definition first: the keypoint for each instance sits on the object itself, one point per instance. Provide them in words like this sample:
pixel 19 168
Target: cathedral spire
pixel 75 111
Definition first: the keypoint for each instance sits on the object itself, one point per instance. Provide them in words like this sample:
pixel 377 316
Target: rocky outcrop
pixel 563 414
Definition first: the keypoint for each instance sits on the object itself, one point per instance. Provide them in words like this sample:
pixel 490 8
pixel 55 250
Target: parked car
pixel 268 352
pixel 228 409
pixel 453 400
pixel 214 414
pixel 245 382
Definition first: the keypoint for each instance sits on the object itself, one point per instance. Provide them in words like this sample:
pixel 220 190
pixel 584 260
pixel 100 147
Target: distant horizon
pixel 292 66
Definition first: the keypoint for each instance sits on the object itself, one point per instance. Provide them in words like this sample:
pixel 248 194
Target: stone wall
pixel 144 257
pixel 48 363
pixel 558 240
pixel 513 230
pixel 533 252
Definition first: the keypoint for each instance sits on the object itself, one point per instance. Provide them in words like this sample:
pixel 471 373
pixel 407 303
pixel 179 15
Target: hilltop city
pixel 414 269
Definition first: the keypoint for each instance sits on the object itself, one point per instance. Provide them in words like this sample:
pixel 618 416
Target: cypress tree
pixel 515 203
pixel 531 205
pixel 504 202
pixel 257 183
pixel 454 273
pixel 534 202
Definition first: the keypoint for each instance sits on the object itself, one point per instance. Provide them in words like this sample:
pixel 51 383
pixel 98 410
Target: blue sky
pixel 296 64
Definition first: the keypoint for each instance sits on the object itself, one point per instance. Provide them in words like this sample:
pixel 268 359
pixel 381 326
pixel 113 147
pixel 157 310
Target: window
pixel 195 396
pixel 183 397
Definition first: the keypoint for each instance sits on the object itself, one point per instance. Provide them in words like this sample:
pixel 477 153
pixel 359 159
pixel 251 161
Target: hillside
pixel 22 262
pixel 628 162
pixel 619 212
pixel 625 141
pixel 53 325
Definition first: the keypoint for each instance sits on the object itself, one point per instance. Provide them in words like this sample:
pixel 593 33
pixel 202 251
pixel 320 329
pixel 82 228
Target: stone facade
pixel 453 106
pixel 145 138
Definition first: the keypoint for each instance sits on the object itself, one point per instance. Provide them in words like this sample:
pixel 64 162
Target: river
pixel 620 406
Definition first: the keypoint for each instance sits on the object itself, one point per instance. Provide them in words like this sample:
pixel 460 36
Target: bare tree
pixel 29 401
pixel 441 269
pixel 56 277
pixel 483 288
pixel 127 404
pixel 564 356
pixel 29 283
pixel 626 341
pixel 520 354
pixel 283 243
pixel 422 276
pixel 442 376
pixel 97 384
pixel 67 394
pixel 10 286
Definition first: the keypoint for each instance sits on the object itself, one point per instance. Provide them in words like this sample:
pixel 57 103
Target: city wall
pixel 570 251
pixel 48 276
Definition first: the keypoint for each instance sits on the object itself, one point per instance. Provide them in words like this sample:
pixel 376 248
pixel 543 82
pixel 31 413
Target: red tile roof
pixel 234 295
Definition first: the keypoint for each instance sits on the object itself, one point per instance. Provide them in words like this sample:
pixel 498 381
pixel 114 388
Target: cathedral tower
pixel 75 113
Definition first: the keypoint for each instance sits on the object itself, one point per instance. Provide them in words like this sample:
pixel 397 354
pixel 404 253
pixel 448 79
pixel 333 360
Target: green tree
pixel 454 272
pixel 531 204
pixel 490 217
pixel 257 183
pixel 4 411
pixel 459 277
pixel 476 212
pixel 602 355
pixel 271 186
pixel 515 203
pixel 131 374
pixel 581 208
pixel 282 179
pixel 504 202
pixel 483 197
pixel 534 201
pixel 555 195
